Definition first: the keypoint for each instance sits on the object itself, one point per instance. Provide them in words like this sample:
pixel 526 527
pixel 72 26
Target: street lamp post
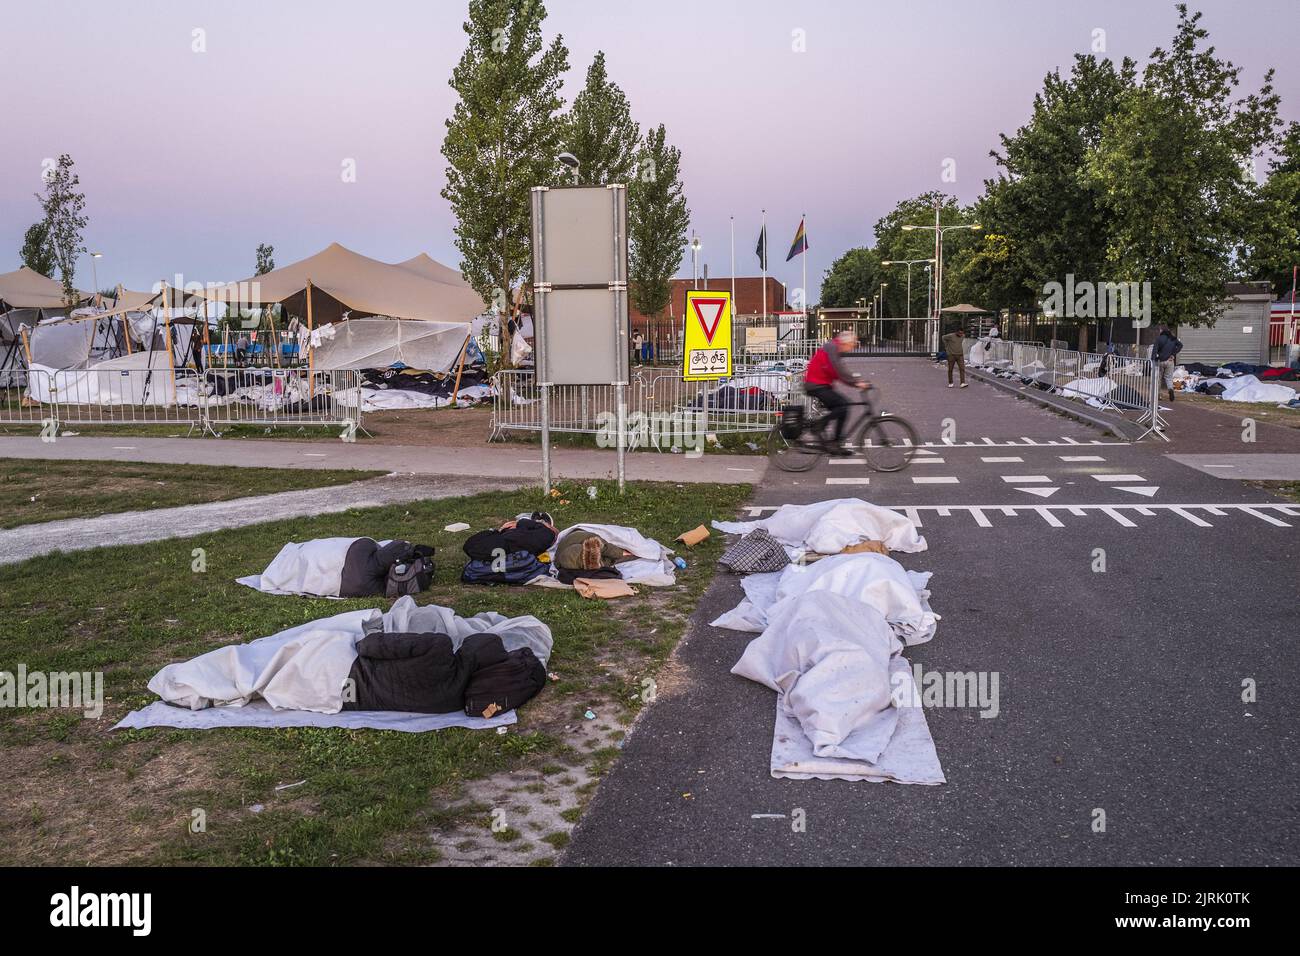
pixel 909 263
pixel 94 271
pixel 938 271
pixel 695 260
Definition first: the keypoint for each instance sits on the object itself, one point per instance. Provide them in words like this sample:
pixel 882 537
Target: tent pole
pixel 460 367
pixel 311 350
pixel 27 347
pixel 167 334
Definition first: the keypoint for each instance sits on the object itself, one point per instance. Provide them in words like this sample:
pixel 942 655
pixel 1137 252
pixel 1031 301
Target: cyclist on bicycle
pixel 826 368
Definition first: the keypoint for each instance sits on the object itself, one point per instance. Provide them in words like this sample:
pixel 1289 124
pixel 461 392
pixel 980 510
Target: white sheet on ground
pixel 652 564
pixel 1248 388
pixel 304 667
pixel 312 568
pixel 830 660
pixel 828 527
pixel 900 596
pixel 261 714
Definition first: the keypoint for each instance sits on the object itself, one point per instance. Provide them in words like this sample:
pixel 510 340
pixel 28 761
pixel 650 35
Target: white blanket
pixel 305 667
pixel 313 568
pixel 652 564
pixel 900 596
pixel 829 658
pixel 1248 388
pixel 828 527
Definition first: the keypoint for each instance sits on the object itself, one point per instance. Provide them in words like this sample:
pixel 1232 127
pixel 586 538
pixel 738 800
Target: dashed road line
pixel 934 480
pixel 1009 460
pixel 848 481
pixel 1081 458
pixel 1128 478
pixel 1268 512
pixel 1025 479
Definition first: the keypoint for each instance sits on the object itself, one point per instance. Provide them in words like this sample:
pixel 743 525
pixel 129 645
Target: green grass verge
pixel 77 794
pixel 34 490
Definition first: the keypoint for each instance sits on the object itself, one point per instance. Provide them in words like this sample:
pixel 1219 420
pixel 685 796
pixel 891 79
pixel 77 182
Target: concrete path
pixel 1265 467
pixel 516 461
pixel 139 527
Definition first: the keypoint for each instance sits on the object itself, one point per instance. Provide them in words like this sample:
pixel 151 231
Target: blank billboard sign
pixel 580 284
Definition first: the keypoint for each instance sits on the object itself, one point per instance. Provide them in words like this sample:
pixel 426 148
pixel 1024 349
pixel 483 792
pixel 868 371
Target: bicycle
pixel 886 442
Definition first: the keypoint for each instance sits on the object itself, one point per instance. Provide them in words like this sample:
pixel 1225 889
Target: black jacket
pixel 421 673
pixel 1166 347
pixel 528 535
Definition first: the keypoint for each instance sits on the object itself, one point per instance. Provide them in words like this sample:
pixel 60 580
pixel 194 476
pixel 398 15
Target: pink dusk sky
pixel 189 160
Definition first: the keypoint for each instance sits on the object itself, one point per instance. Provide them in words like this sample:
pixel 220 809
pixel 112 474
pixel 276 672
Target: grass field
pixel 77 793
pixel 35 490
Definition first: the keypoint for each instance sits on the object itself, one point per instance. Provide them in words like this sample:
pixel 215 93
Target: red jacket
pixel 821 370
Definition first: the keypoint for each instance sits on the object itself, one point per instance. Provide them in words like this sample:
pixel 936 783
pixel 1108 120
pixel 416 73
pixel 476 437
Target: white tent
pixel 417 312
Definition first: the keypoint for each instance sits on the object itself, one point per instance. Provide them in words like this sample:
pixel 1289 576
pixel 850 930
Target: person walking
pixel 1164 352
pixel 825 369
pixel 637 341
pixel 952 346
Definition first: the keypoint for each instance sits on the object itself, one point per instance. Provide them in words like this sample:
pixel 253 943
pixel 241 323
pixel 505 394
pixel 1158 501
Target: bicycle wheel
pixel 888 443
pixel 791 454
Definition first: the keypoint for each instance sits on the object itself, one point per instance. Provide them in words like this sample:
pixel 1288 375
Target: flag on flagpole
pixel 800 244
pixel 761 249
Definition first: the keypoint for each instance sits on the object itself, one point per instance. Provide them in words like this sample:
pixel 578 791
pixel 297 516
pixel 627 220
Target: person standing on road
pixel 1165 354
pixel 825 369
pixel 637 341
pixel 952 346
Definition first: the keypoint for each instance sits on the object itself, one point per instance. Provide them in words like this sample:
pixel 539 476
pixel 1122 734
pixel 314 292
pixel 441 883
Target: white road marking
pixel 980 520
pixel 1004 461
pixel 314 454
pixel 1119 477
pixel 848 481
pixel 1041 492
pixel 927 461
pixel 1025 479
pixel 1264 517
pixel 1081 458
pixel 740 469
pixel 1147 491
pixel 123 448
pixel 1117 512
pixel 1184 513
pixel 945 480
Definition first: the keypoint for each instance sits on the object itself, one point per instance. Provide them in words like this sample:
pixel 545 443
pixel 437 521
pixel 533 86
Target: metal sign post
pixel 580 319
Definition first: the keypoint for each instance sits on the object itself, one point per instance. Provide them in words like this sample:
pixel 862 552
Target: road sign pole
pixel 622 436
pixel 546 439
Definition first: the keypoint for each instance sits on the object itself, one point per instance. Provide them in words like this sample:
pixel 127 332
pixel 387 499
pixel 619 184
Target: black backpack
pixel 517 567
pixel 411 574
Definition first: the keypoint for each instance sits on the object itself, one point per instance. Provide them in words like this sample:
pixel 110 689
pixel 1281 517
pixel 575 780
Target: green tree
pixel 502 139
pixel 599 130
pixel 852 278
pixel 658 218
pixel 62 204
pixel 37 254
pixel 265 259
pixel 1170 169
pixel 1054 218
pixel 894 243
pixel 1274 241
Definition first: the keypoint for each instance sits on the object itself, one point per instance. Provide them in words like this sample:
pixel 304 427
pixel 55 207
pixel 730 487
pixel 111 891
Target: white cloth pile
pixel 830 639
pixel 828 527
pixel 898 595
pixel 1248 388
pixel 304 668
pixel 382 399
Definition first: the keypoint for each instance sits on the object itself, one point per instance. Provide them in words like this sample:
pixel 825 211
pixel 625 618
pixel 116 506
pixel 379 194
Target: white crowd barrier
pixel 209 400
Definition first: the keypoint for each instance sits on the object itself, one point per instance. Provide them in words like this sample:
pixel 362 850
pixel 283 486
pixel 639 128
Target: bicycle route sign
pixel 707 336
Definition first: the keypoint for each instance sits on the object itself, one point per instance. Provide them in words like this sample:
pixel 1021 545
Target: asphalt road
pixel 1119 691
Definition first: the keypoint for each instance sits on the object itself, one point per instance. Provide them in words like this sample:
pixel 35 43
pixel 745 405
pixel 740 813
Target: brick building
pixel 665 331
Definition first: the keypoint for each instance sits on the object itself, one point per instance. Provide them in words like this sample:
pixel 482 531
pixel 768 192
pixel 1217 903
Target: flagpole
pixel 763 233
pixel 803 225
pixel 733 264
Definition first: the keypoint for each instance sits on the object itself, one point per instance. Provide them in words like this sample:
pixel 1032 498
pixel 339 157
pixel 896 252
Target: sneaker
pixel 963 384
pixel 950 384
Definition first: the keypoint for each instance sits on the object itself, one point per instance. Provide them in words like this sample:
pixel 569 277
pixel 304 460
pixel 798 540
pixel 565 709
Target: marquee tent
pixel 26 297
pixel 417 312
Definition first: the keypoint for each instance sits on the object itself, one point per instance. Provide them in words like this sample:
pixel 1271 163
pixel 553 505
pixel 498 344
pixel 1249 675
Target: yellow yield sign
pixel 707 352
